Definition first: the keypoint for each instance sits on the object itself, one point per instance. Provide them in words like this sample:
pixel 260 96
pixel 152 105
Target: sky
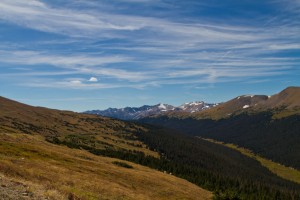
pixel 93 54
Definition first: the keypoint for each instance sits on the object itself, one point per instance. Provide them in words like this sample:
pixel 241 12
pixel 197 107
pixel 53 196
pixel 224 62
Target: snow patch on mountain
pixel 246 106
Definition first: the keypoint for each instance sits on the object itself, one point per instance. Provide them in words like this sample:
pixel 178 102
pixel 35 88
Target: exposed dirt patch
pixel 12 190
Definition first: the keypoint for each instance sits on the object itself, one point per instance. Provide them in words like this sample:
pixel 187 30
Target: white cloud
pixel 93 79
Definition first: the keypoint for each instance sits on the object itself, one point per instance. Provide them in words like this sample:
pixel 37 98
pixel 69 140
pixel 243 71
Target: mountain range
pixel 284 103
pixel 135 113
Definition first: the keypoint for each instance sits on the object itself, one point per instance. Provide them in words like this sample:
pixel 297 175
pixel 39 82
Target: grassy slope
pixel 60 171
pixel 282 171
pixel 93 130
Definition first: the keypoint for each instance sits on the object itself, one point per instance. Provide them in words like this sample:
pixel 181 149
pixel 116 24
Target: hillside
pixel 288 173
pixel 288 98
pixel 232 107
pixel 58 172
pixel 227 172
pixel 102 132
pixel 38 144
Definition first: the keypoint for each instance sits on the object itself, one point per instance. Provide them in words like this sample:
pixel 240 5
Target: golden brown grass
pixel 58 170
pixel 20 118
pixel 282 171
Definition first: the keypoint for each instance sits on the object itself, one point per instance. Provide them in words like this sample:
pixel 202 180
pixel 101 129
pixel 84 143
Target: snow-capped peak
pixel 162 106
pixel 195 106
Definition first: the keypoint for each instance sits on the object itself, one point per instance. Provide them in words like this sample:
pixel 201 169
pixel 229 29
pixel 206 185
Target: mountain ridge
pixel 135 113
pixel 284 103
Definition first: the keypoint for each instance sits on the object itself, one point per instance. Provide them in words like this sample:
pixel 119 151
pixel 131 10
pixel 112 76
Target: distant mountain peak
pixel 133 113
pixel 165 107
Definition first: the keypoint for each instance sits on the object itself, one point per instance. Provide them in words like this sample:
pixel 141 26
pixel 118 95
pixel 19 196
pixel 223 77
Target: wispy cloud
pixel 35 58
pixel 165 72
pixel 37 15
pixel 144 51
pixel 72 99
pixel 77 84
pixel 40 16
pixel 76 64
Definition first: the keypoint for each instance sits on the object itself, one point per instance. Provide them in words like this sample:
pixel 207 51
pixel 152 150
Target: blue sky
pixel 87 54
